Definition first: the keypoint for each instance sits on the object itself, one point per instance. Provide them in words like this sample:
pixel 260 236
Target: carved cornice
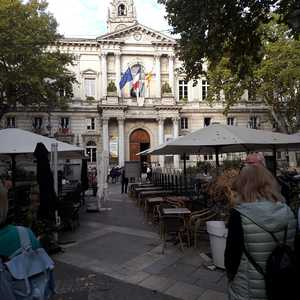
pixel 168 107
pixel 77 42
pixel 161 38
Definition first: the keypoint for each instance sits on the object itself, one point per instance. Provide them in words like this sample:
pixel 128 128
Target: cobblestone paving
pixel 116 254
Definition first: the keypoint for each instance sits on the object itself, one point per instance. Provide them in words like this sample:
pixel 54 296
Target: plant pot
pixel 217 237
pixel 112 94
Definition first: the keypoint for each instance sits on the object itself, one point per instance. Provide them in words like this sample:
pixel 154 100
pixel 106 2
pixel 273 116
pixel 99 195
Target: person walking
pixel 124 182
pixel 149 173
pixel 259 208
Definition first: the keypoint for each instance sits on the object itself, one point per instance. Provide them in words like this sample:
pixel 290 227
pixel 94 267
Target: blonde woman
pixel 9 237
pixel 259 208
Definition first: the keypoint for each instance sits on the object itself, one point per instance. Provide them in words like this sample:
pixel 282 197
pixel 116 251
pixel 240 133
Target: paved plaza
pixel 116 254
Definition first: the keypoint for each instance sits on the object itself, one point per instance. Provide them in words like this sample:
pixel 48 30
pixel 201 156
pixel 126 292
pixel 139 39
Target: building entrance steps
pixel 119 246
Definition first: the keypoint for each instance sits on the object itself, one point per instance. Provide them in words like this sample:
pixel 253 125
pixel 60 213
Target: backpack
pixel 28 274
pixel 280 274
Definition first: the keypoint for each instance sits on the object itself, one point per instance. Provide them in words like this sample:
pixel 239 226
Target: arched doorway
pixel 139 141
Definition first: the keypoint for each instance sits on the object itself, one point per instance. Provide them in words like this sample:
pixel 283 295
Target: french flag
pixel 137 79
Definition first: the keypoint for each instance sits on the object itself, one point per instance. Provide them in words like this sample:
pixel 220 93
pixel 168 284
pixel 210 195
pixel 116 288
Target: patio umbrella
pixel 217 138
pixel 15 141
pixel 18 141
pixel 48 198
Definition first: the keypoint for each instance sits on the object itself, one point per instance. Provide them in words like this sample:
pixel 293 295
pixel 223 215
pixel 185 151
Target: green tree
pixel 210 28
pixel 30 74
pixel 275 80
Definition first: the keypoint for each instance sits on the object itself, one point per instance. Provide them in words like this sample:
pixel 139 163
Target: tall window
pixel 89 87
pixel 37 123
pixel 91 151
pixel 65 122
pixel 184 123
pixel 90 124
pixel 183 89
pixel 205 86
pixel 253 122
pixel 230 121
pixel 10 122
pixel 207 122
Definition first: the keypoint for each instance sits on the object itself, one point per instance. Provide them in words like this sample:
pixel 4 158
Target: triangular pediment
pixel 138 34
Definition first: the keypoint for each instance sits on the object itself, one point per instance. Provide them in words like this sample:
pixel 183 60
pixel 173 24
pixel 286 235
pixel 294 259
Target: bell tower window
pixel 121 10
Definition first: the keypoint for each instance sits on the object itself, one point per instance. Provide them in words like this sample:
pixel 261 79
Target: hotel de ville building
pixel 126 121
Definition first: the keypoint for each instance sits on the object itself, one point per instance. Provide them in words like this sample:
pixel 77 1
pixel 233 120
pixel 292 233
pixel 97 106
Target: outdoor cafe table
pixel 176 211
pixel 138 190
pixel 157 193
pixel 183 199
pixel 151 188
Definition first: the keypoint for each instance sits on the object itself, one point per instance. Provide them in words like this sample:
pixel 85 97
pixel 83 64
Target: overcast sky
pixel 87 18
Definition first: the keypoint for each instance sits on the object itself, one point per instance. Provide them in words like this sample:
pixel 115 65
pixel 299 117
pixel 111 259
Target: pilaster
pixel 158 75
pixel 175 136
pixel 171 73
pixel 118 71
pixel 161 129
pixel 105 136
pixel 104 74
pixel 121 141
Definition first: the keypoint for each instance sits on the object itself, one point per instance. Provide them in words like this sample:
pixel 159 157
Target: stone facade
pixel 98 119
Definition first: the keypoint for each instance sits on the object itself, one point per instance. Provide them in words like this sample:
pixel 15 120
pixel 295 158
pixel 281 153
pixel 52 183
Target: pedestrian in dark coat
pixel 124 182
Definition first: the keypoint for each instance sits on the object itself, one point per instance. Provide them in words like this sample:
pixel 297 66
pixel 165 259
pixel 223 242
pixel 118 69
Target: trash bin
pixel 217 237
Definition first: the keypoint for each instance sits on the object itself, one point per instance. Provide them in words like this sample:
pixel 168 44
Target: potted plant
pixel 221 194
pixel 111 89
pixel 166 90
pixel 221 198
pixel 184 99
pixel 90 99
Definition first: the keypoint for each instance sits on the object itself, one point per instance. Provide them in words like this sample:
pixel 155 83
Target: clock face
pixel 137 36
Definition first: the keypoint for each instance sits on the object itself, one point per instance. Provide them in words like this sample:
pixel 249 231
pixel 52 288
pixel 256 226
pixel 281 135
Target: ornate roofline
pixel 78 42
pixel 120 33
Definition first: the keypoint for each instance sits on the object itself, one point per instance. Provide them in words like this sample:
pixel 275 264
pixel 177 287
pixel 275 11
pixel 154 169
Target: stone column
pixel 158 77
pixel 175 136
pixel 171 73
pixel 104 74
pixel 118 71
pixel 105 136
pixel 161 122
pixel 121 142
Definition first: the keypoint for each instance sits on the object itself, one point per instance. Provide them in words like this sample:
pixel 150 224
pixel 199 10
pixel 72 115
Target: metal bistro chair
pixel 197 222
pixel 173 226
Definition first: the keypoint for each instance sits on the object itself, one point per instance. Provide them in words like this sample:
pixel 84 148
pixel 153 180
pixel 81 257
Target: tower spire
pixel 121 14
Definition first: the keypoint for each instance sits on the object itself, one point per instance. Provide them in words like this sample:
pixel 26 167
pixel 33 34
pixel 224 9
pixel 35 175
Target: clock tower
pixel 121 14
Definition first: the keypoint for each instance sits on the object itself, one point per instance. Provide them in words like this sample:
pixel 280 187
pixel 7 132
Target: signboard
pixel 133 169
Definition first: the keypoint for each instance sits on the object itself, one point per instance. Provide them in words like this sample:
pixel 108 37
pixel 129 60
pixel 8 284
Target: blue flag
pixel 127 77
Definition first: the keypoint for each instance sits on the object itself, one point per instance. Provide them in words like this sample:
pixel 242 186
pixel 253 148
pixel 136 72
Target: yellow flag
pixel 148 77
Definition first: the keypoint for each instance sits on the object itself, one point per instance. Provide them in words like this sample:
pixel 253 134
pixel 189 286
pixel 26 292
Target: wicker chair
pixel 197 222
